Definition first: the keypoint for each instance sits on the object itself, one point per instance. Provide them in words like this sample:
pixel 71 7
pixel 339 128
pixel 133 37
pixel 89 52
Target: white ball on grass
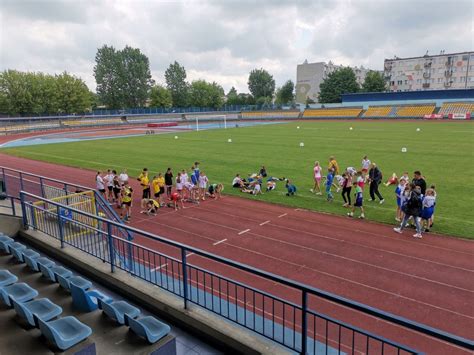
pixel 229 140
pixel 175 137
pixel 301 144
pixel 404 150
pixel 351 128
pixel 297 127
pixel 418 130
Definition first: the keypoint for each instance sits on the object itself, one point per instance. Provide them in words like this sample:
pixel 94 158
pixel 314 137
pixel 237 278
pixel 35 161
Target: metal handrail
pixel 412 325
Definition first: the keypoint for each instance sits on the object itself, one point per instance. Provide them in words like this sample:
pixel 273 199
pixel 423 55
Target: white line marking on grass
pixel 263 223
pixel 219 242
pixel 244 231
pixel 159 267
pixel 282 215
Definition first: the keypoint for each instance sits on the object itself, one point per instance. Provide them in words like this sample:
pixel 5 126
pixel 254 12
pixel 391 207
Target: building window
pixel 453 80
pixel 471 67
pixel 462 79
pixel 400 82
pixel 418 81
pixel 406 82
pixel 440 80
pixel 471 78
pixel 453 70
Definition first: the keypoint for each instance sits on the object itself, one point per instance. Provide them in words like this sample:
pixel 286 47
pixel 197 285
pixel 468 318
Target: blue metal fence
pixel 288 320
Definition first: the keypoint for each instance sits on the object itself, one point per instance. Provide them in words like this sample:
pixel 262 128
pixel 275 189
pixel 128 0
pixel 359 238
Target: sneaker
pixel 382 201
pixel 345 205
pixel 361 216
pixel 338 189
pixel 350 214
pixel 311 190
pixel 427 230
pixel 397 229
pixel 319 193
pixel 398 219
pixel 417 235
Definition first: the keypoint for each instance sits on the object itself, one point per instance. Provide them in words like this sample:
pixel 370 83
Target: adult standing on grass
pixel 375 178
pixel 412 208
pixel 317 178
pixel 168 182
pixel 418 180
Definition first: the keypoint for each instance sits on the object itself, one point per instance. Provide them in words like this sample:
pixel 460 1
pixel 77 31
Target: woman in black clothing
pixel 168 182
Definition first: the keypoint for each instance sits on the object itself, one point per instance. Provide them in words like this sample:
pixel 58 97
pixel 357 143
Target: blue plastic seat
pixel 51 272
pixel 30 253
pixel 148 327
pixel 33 262
pixel 117 309
pixel 86 301
pixel 7 278
pixel 79 281
pixel 43 308
pixel 21 292
pixel 15 247
pixel 64 332
pixel 4 241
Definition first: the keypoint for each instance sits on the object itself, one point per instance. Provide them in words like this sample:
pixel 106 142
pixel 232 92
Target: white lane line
pixel 282 215
pixel 219 242
pixel 263 223
pixel 159 267
pixel 244 231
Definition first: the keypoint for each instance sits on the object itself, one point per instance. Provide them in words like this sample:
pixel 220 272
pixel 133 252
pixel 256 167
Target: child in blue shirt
pixel 290 188
pixel 358 203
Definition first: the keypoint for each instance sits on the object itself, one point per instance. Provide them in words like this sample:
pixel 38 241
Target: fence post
pixel 185 277
pixel 23 210
pixel 60 226
pixel 12 200
pixel 304 326
pixel 4 181
pixel 21 181
pixel 42 187
pixel 111 246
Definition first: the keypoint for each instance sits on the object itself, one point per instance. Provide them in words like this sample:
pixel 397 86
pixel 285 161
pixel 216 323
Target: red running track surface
pixel 429 280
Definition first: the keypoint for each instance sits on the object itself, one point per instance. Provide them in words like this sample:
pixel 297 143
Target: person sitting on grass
pixel 253 189
pixel 358 203
pixel 263 171
pixel 393 180
pixel 215 190
pixel 238 182
pixel 271 185
pixel 151 207
pixel 290 188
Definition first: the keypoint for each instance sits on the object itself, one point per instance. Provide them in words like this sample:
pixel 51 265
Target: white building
pixel 309 77
pixel 430 72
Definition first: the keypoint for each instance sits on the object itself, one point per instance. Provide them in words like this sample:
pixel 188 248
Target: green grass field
pixel 443 151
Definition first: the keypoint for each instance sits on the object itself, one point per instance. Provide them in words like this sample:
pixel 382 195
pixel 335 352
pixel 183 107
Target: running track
pixel 430 280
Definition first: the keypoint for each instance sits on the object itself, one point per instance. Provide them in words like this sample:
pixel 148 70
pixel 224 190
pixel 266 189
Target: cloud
pixel 223 40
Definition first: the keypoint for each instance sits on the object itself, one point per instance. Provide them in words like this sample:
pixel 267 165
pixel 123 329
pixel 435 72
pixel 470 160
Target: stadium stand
pixel 270 114
pixel 332 112
pixel 28 127
pixel 415 110
pixel 456 108
pixel 378 111
pixel 107 121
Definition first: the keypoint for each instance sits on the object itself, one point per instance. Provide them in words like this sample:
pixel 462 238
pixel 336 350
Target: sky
pixel 223 40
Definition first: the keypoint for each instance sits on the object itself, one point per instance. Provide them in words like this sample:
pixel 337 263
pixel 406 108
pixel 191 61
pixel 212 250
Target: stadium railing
pixel 290 320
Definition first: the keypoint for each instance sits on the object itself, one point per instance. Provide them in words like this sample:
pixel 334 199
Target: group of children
pixel 253 184
pixel 191 187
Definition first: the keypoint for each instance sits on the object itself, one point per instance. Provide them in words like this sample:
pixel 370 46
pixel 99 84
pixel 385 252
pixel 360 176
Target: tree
pixel 285 95
pixel 160 97
pixel 261 84
pixel 340 81
pixel 232 97
pixel 73 94
pixel 123 77
pixel 374 82
pixel 38 93
pixel 175 77
pixel 204 94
